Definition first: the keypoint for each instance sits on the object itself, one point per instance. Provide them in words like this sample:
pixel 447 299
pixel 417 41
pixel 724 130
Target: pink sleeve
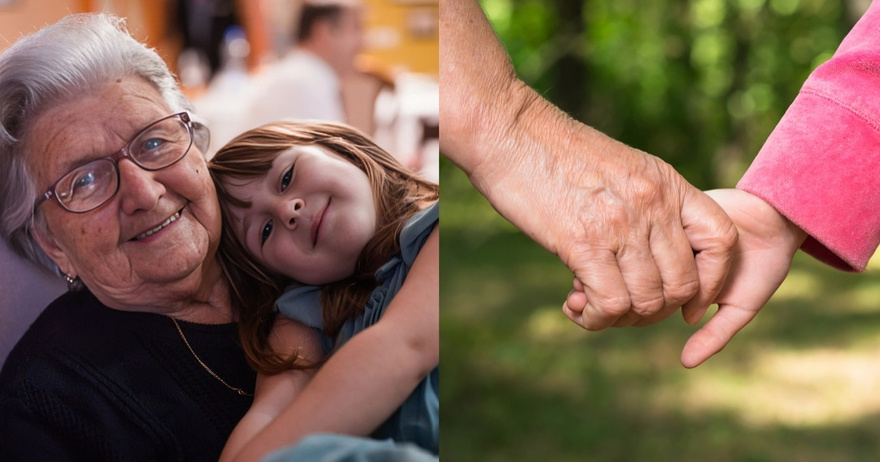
pixel 821 165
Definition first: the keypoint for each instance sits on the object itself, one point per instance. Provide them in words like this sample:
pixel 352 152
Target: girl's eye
pixel 266 231
pixel 285 180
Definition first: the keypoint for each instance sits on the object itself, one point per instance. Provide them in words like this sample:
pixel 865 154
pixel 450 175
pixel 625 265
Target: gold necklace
pixel 205 366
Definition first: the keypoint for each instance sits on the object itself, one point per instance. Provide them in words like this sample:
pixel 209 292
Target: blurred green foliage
pixel 522 383
pixel 699 83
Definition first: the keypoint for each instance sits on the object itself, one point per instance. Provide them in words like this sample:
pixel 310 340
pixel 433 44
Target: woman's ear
pixel 47 243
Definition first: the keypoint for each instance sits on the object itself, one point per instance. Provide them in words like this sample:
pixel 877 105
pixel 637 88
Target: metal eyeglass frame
pixel 116 157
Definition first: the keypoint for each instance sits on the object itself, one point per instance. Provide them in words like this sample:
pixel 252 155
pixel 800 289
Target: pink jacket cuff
pixel 820 167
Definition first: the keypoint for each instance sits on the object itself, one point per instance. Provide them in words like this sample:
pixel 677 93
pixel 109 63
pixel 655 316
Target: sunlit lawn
pixel 521 383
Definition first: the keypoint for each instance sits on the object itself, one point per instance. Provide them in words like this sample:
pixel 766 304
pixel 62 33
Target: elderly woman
pixel 103 180
pixel 102 177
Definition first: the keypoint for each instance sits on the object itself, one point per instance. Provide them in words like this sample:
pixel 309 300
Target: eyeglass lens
pixel 157 146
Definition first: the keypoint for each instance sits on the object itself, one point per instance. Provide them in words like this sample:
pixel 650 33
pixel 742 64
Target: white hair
pixel 73 57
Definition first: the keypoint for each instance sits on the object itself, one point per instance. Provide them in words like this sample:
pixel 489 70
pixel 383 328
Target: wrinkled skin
pixel 624 222
pixel 173 271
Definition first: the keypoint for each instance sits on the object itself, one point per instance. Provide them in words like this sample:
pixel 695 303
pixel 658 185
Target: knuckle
pixel 648 306
pixel 728 236
pixel 613 306
pixel 646 187
pixel 642 189
pixel 678 292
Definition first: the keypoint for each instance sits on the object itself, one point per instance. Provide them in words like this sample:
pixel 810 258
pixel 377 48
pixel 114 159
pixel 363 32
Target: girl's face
pixel 311 215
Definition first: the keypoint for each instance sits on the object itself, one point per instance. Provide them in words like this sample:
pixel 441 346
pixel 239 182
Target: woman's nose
pixel 138 188
pixel 292 211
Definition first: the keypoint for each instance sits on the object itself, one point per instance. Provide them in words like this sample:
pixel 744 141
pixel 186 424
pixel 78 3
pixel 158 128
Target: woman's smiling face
pixel 111 248
pixel 311 215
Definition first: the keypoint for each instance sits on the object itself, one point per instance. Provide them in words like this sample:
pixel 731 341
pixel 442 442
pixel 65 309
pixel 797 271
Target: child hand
pixel 761 260
pixel 576 302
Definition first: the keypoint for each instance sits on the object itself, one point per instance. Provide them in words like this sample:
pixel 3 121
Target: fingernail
pixel 694 317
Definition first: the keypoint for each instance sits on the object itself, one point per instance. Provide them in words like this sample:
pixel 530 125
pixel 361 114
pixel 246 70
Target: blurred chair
pixel 25 290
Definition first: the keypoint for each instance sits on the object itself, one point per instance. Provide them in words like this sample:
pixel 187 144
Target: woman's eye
pixel 285 180
pixel 151 151
pixel 153 143
pixel 152 147
pixel 84 181
pixel 264 234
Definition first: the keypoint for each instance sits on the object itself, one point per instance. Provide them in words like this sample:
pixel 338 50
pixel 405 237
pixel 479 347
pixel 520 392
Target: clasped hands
pixel 739 273
pixel 640 240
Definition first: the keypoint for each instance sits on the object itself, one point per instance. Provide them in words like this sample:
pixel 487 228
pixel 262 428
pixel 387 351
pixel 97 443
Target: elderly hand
pixel 761 260
pixel 623 221
pixel 652 254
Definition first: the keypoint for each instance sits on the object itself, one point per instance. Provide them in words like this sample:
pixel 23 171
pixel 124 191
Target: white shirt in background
pixel 299 86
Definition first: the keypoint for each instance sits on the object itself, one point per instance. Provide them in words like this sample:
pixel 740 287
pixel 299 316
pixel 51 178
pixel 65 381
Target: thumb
pixel 712 236
pixel 715 334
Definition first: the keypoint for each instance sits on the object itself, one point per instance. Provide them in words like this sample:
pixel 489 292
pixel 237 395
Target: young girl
pixel 320 209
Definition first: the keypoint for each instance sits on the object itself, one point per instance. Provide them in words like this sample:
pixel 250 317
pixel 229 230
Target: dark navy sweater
pixel 87 382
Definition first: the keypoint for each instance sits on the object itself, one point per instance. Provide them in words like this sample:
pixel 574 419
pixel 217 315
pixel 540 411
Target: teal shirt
pixel 418 419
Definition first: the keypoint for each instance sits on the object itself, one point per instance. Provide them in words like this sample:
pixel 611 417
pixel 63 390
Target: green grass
pixel 522 383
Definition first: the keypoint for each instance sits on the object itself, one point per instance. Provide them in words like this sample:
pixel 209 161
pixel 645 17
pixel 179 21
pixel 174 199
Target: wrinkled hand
pixel 762 257
pixel 635 264
pixel 624 222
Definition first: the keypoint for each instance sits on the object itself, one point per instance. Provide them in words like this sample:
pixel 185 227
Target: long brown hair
pixel 398 194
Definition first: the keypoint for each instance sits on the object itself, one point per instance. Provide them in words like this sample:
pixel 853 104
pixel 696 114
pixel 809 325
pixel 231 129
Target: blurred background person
pixel 306 82
pixel 369 63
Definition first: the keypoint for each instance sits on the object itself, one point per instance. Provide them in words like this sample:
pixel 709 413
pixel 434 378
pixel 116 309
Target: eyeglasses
pixel 87 187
